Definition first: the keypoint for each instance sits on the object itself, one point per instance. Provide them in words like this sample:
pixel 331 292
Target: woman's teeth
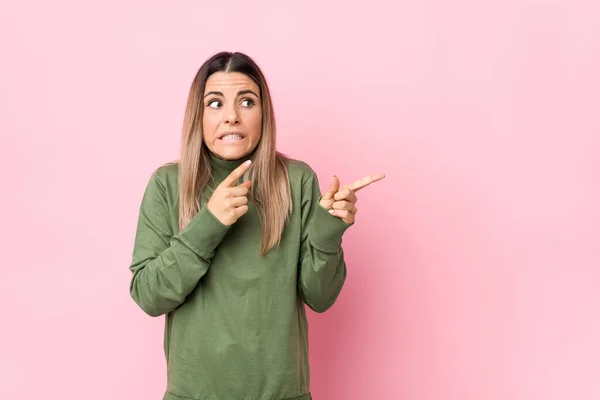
pixel 231 137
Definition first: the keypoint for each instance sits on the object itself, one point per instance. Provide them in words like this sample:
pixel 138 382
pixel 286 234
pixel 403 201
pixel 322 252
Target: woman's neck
pixel 222 168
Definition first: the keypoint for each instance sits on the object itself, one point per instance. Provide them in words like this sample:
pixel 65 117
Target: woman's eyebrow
pixel 217 93
pixel 242 92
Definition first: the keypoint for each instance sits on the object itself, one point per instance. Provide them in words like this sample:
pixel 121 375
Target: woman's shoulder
pixel 299 170
pixel 167 174
pixel 168 169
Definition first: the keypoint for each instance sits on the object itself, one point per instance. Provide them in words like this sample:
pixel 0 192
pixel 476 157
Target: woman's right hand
pixel 229 201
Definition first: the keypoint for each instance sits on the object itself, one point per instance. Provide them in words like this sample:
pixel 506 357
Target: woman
pixel 232 264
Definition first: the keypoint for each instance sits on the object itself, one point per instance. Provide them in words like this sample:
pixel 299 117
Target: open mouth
pixel 231 136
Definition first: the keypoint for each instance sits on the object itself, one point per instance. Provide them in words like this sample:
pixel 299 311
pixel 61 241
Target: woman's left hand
pixel 341 203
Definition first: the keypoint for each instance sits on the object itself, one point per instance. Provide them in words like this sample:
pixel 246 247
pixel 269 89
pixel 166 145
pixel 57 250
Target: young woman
pixel 232 241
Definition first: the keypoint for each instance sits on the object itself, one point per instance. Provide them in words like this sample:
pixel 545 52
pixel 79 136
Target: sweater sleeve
pixel 322 265
pixel 167 267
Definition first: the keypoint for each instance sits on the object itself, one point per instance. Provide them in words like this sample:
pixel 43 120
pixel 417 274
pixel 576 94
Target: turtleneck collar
pixel 222 168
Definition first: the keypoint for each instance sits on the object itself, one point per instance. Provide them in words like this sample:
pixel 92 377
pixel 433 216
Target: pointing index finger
pixel 364 182
pixel 236 174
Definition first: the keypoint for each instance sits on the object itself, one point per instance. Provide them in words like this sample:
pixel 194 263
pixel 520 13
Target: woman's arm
pixel 167 267
pixel 322 266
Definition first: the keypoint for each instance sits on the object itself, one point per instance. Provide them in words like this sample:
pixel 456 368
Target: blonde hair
pixel 270 188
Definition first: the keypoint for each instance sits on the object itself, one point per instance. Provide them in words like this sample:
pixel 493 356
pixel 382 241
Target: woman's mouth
pixel 232 137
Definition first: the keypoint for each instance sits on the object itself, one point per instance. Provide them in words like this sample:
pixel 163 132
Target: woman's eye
pixel 247 103
pixel 214 104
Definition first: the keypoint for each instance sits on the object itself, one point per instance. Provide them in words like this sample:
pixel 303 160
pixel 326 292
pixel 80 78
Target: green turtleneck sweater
pixel 235 325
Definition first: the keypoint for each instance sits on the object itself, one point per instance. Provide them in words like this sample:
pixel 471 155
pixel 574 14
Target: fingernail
pixel 248 162
pixel 331 211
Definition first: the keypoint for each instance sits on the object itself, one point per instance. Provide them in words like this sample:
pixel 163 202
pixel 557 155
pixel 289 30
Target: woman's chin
pixel 231 154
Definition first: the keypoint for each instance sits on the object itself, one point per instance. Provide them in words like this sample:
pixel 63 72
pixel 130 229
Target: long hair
pixel 270 188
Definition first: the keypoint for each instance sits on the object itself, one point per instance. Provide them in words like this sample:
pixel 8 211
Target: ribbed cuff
pixel 204 233
pixel 326 231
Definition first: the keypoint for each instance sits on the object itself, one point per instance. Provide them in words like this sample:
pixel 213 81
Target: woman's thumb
pixel 333 188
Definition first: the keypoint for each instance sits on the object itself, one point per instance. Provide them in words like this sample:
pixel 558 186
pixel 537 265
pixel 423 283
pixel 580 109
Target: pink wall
pixel 474 267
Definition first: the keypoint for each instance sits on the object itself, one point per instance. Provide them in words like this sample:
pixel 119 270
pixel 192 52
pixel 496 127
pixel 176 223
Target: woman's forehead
pixel 230 80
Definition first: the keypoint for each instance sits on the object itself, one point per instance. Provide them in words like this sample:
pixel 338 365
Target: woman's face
pixel 232 120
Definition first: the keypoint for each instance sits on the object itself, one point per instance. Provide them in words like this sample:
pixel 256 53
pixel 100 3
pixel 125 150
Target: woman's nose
pixel 231 116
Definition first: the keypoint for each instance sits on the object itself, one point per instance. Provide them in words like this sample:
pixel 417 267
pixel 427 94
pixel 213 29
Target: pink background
pixel 474 267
